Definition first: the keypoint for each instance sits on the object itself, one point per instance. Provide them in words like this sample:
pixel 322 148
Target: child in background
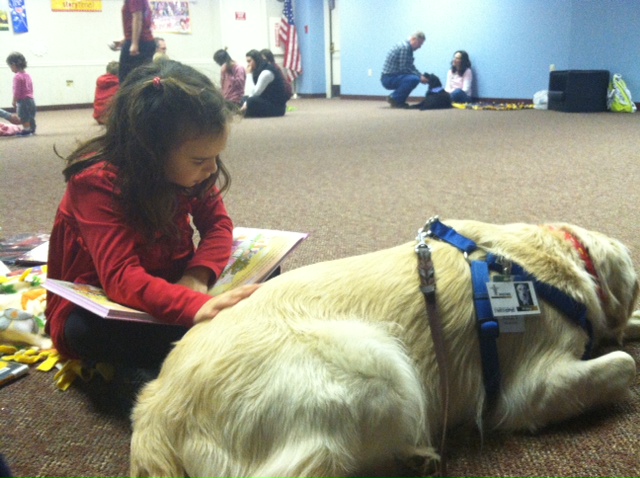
pixel 288 85
pixel 232 77
pixel 159 56
pixel 106 87
pixel 125 220
pixel 23 93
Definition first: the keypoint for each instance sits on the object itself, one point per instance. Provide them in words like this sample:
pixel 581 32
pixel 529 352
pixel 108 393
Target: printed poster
pixel 170 17
pixel 18 16
pixel 76 6
pixel 4 21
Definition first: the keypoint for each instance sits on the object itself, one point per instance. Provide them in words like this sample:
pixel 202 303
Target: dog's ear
pixel 617 276
pixel 434 81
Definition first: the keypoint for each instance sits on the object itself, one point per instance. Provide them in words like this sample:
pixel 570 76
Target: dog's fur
pixel 330 368
pixel 436 97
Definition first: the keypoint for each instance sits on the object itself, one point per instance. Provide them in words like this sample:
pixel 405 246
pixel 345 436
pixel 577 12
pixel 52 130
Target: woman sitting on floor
pixel 268 96
pixel 460 78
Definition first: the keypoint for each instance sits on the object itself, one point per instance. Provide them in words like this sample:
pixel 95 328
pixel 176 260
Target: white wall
pixel 67 51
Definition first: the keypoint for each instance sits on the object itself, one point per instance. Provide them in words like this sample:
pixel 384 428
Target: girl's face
pixel 251 64
pixel 195 160
pixel 14 68
pixel 457 60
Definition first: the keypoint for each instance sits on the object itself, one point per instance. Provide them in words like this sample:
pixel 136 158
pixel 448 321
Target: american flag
pixel 289 35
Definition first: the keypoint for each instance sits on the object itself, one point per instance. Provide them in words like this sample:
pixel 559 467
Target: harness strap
pixel 426 271
pixel 488 326
pixel 488 331
pixel 450 236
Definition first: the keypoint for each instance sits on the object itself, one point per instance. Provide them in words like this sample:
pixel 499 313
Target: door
pixel 333 73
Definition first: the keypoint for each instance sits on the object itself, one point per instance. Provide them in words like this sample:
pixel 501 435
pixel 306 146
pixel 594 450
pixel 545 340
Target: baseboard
pixel 305 96
pixel 318 95
pixel 420 98
pixel 57 107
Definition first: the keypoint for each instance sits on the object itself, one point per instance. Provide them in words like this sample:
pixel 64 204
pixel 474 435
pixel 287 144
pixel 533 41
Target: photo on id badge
pixel 510 299
pixel 523 294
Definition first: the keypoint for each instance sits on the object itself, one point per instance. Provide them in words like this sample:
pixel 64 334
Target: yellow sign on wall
pixel 76 5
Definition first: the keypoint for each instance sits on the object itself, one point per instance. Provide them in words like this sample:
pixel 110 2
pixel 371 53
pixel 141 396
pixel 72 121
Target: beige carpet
pixel 358 176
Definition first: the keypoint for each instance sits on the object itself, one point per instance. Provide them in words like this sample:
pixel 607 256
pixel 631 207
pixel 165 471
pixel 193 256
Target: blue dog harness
pixel 488 326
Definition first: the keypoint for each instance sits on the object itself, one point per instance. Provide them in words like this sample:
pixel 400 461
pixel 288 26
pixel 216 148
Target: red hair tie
pixel 157 83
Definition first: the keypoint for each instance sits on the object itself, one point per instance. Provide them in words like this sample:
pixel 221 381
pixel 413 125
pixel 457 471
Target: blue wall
pixel 512 43
pixel 607 35
pixel 310 24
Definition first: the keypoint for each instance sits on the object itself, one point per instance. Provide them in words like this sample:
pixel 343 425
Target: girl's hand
pixel 211 308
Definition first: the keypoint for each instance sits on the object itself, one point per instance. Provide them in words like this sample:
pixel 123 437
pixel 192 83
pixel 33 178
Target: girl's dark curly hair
pixel 157 108
pixel 464 64
pixel 17 59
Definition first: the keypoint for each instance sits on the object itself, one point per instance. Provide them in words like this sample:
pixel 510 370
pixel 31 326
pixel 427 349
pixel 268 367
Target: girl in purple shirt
pixel 232 77
pixel 23 93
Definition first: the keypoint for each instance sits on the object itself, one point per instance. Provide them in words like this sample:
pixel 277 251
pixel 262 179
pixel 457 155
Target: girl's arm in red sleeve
pixel 114 247
pixel 212 221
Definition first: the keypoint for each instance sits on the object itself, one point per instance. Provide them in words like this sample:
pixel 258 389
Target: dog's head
pixel 615 277
pixel 433 80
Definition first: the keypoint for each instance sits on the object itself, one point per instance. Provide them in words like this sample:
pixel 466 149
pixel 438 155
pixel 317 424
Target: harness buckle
pixel 422 236
pixel 506 265
pixel 426 229
pixel 430 222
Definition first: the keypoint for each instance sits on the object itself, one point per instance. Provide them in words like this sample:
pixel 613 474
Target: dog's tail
pixel 359 401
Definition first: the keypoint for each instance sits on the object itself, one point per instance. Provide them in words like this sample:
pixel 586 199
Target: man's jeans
pixel 402 84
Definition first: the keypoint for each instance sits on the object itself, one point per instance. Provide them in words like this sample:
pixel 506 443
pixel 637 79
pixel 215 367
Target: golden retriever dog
pixel 330 369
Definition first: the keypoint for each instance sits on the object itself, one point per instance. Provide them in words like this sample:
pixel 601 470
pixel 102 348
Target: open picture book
pixel 255 255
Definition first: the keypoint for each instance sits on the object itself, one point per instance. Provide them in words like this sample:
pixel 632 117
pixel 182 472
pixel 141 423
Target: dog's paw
pixel 424 461
pixel 632 330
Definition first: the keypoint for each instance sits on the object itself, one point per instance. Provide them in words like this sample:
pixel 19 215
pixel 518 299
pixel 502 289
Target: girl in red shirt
pixel 125 221
pixel 106 87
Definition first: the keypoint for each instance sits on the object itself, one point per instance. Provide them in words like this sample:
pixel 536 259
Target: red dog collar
pixel 586 259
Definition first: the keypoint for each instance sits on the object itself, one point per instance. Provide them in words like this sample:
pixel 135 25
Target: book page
pixel 95 300
pixel 255 254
